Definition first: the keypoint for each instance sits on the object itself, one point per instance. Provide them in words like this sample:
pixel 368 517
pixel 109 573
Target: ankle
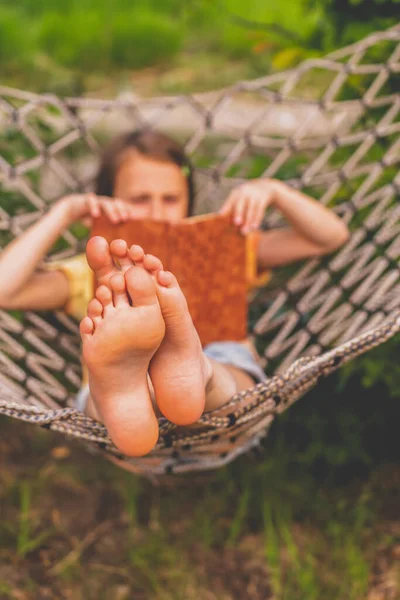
pixel 221 386
pixel 208 372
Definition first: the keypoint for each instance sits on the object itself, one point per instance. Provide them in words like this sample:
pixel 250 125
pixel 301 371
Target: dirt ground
pixel 74 526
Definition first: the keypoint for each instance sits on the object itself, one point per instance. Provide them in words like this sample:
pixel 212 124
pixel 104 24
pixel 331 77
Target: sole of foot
pixel 179 370
pixel 122 332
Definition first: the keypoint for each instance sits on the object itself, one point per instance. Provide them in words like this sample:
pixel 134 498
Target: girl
pixel 141 351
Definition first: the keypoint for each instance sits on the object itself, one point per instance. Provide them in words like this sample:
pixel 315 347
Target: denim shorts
pixel 228 353
pixel 237 355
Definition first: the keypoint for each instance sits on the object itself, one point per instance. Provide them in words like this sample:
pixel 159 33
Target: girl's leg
pixel 236 367
pixel 226 381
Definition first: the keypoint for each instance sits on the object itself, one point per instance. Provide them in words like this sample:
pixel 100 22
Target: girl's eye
pixel 171 199
pixel 139 199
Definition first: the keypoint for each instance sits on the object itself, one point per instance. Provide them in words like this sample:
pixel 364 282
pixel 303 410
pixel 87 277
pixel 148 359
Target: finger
pixel 255 211
pixel 249 209
pixel 260 213
pixel 93 204
pixel 116 209
pixel 122 210
pixel 121 206
pixel 109 210
pixel 239 209
pixel 127 210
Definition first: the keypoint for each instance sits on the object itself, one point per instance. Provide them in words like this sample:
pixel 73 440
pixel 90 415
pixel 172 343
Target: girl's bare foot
pixel 119 341
pixel 179 370
pixel 107 259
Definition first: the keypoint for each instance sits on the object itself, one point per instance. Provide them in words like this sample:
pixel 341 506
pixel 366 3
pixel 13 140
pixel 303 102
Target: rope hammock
pixel 329 128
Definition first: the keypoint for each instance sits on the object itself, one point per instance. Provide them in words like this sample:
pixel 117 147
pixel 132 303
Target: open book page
pixel 210 259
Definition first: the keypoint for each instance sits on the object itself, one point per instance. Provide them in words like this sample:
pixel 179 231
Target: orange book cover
pixel 211 260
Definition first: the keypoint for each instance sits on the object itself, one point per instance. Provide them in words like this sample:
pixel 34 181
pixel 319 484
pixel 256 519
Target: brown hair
pixel 150 143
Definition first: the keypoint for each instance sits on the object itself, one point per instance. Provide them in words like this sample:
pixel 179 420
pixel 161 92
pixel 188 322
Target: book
pixel 212 261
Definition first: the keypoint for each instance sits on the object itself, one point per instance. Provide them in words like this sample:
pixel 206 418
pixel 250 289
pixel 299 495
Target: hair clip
pixel 185 170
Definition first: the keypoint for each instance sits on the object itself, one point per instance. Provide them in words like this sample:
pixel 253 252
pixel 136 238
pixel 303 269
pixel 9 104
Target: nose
pixel 157 209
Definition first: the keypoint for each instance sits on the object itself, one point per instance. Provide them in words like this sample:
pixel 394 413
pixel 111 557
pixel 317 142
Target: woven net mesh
pixel 328 127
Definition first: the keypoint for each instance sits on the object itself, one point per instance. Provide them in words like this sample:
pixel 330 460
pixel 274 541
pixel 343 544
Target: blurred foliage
pixel 56 46
pixel 380 365
pixel 127 39
pixel 16 39
pixel 350 20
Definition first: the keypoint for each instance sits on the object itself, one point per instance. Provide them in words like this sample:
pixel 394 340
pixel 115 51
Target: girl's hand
pixel 86 207
pixel 248 202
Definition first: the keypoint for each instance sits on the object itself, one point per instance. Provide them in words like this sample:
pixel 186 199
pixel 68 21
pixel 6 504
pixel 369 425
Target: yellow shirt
pixel 81 283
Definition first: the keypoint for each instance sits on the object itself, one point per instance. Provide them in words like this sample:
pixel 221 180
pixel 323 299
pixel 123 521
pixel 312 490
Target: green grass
pixel 296 562
pixel 26 540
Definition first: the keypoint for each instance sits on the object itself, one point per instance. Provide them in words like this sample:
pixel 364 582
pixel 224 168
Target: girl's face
pixel 156 189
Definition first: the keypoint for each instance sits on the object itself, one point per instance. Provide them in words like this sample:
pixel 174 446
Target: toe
pixel 118 287
pixel 166 278
pixel 141 287
pixel 119 252
pixel 170 296
pixel 100 259
pixel 95 311
pixel 152 263
pixel 86 327
pixel 104 295
pixel 137 254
